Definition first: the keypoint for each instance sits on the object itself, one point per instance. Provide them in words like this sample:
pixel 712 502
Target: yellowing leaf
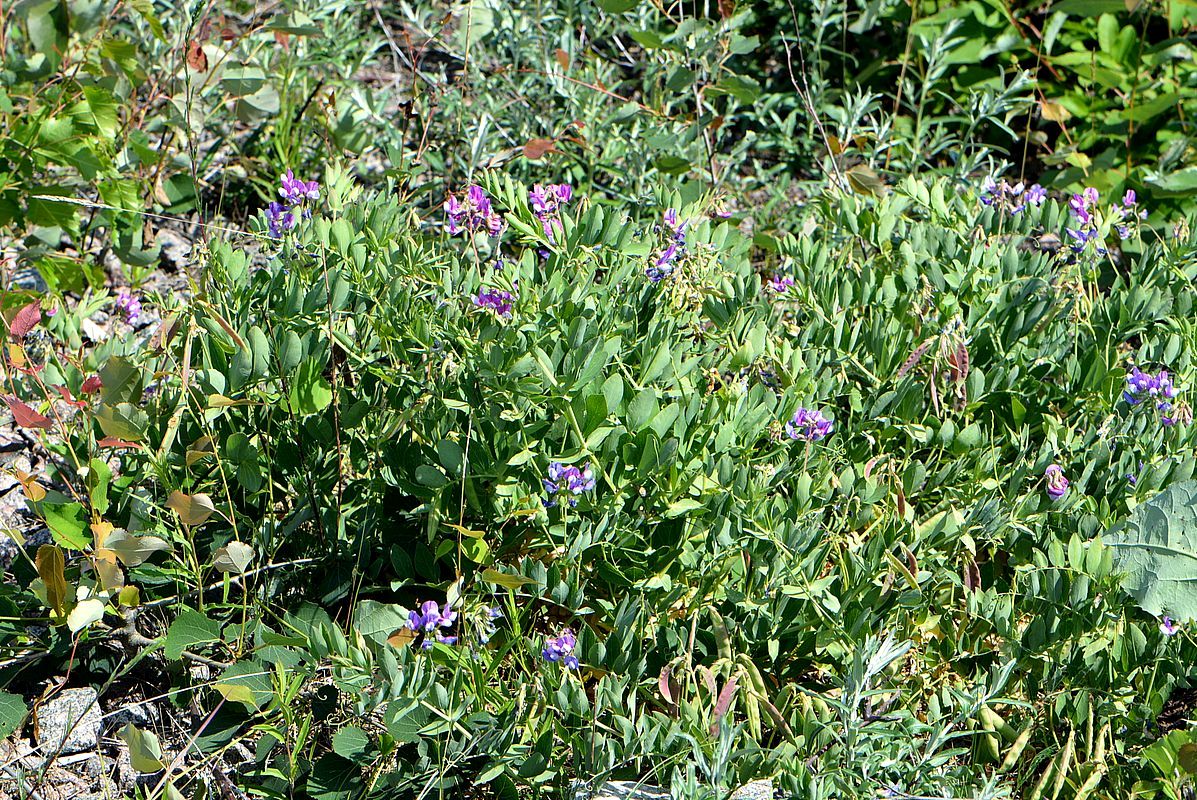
pixel 233 558
pixel 112 577
pixel 235 692
pixel 134 550
pixel 100 531
pixel 503 579
pixel 33 490
pixel 50 567
pixel 129 597
pixel 192 509
pixel 1054 112
pixel 202 448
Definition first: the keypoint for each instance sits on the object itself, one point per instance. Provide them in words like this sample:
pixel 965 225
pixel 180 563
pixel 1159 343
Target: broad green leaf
pixel 13 712
pixel 190 628
pixel 145 752
pixel 310 392
pixel 68 524
pixel 1155 550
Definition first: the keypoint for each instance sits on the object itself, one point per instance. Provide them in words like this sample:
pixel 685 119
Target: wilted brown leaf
pixel 538 148
pixel 401 638
pixel 197 59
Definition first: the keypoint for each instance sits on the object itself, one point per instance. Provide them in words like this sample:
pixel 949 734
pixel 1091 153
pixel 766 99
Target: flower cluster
pixel 547 202
pixel 1083 206
pixel 497 301
pixel 568 482
pixel 562 649
pixel 129 305
pixel 1056 481
pixel 285 216
pixel 675 235
pixel 473 214
pixel 781 283
pixel 1013 199
pixel 809 425
pixel 1158 388
pixel 1128 215
pixel 430 620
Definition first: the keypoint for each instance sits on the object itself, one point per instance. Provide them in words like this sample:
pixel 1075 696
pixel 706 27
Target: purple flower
pixel 567 481
pixel 497 301
pixel 1082 237
pixel 1011 198
pixel 295 191
pixel 1159 387
pixel 1057 483
pixel 129 305
pixel 781 283
pixel 430 617
pixel 473 214
pixel 809 425
pixel 280 218
pixel 562 649
pixel 1082 204
pixel 1169 626
pixel 546 202
pixel 1128 200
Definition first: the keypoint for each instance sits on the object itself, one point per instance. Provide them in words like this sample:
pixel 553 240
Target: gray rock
pixel 143 715
pixel 757 790
pixel 30 280
pixel 69 723
pixel 174 248
pixel 622 790
pixel 633 790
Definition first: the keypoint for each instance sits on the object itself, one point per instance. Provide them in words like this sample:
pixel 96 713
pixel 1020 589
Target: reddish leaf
pixel 538 148
pixel 284 41
pixel 25 320
pixel 663 683
pixel 562 59
pixel 66 395
pixel 25 416
pixel 197 59
pixel 91 385
pixel 972 576
pixel 723 703
pixel 111 441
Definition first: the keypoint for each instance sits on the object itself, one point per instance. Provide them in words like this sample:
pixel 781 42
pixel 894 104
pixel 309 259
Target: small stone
pixel 622 790
pixel 143 715
pixel 30 280
pixel 174 248
pixel 69 723
pixel 757 790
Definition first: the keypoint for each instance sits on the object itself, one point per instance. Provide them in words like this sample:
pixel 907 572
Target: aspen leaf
pixel 85 613
pixel 234 558
pixel 145 752
pixel 25 416
pixel 26 320
pixel 51 568
pixel 192 509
